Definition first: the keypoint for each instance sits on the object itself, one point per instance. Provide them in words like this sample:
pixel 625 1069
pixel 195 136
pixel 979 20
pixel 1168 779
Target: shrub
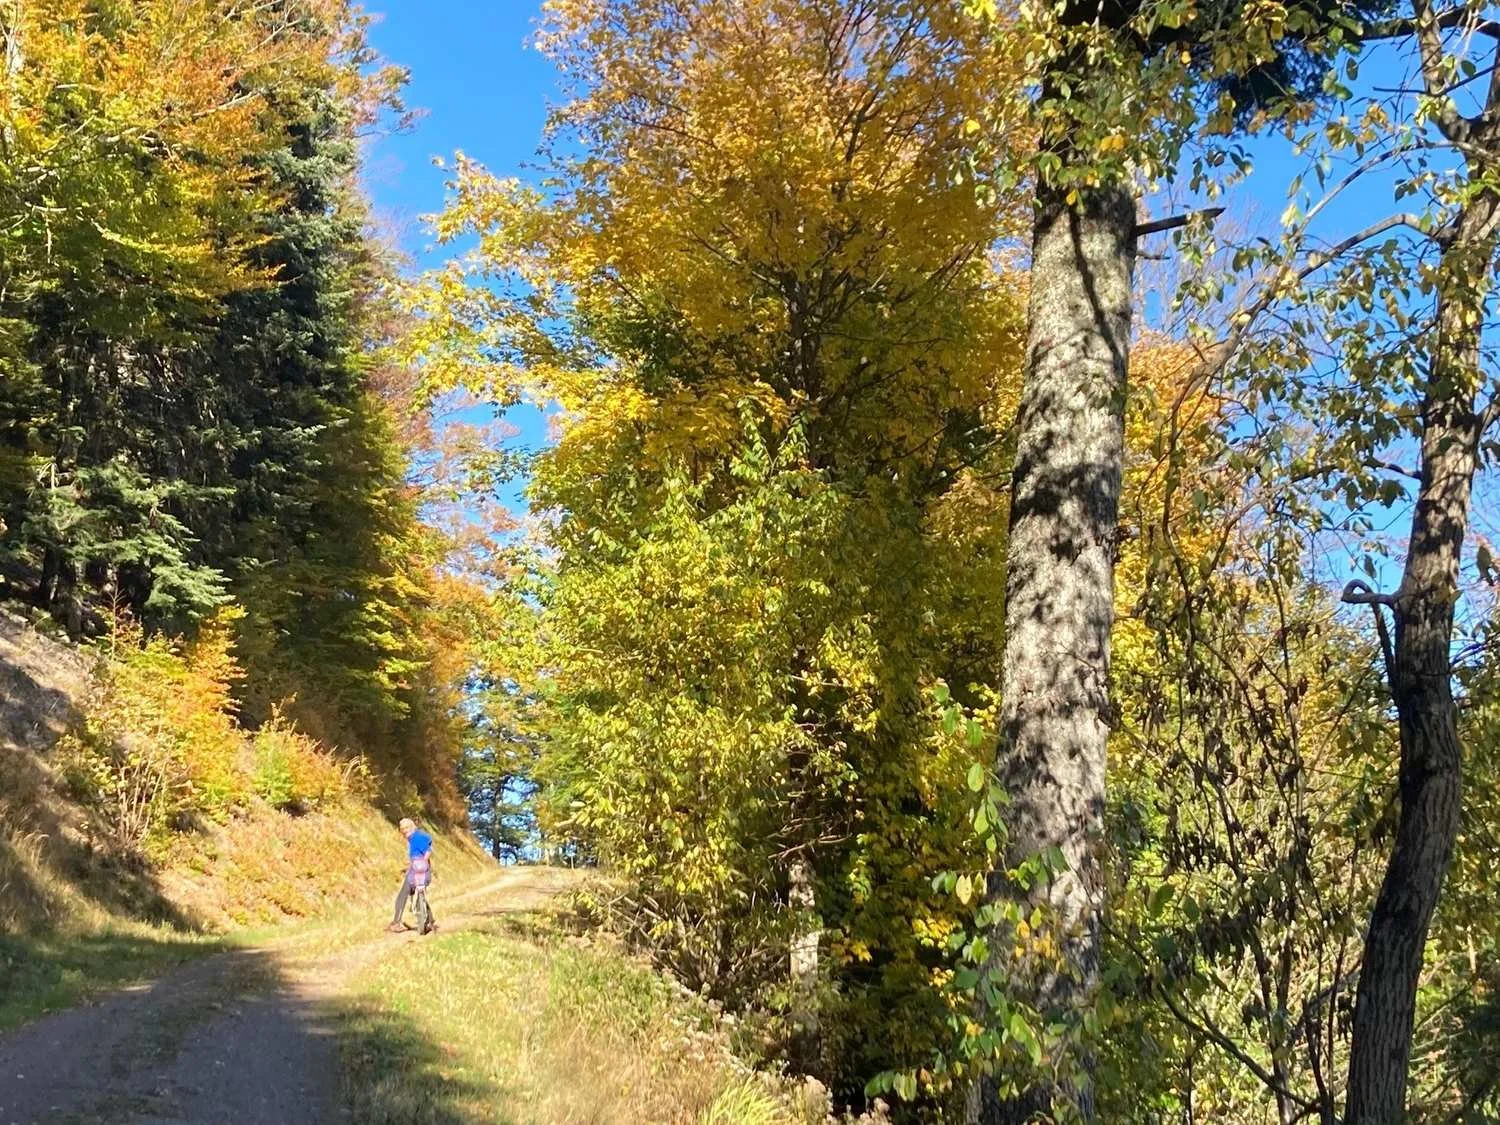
pixel 159 742
pixel 161 746
pixel 292 772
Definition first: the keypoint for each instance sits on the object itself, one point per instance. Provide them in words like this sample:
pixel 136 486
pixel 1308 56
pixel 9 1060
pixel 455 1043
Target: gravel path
pixel 246 1037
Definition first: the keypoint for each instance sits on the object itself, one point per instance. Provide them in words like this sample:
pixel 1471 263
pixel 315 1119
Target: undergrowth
pixel 160 749
pixel 138 817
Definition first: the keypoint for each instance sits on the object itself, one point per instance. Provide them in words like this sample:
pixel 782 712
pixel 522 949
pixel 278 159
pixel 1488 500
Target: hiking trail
pixel 245 1036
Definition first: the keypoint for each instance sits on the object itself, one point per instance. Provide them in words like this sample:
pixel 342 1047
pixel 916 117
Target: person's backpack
pixel 420 872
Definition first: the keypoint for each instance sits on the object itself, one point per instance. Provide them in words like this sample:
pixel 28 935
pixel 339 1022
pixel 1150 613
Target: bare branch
pixel 1490 416
pixel 1454 17
pixel 1358 592
pixel 1392 467
pixel 1156 226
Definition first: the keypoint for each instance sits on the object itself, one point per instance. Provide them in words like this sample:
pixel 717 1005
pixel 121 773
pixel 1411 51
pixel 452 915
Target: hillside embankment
pixel 79 912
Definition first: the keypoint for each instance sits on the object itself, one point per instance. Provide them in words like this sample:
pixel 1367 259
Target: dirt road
pixel 248 1036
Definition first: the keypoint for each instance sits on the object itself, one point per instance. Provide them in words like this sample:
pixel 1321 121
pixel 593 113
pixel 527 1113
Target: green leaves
pixel 975 779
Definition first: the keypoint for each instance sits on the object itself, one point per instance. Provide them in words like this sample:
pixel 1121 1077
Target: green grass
pixel 513 1023
pixel 47 973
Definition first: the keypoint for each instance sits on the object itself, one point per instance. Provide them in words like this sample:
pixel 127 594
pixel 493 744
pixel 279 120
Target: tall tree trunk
pixel 1065 494
pixel 1420 672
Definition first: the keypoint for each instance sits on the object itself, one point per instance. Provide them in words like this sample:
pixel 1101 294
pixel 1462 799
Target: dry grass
pixel 94 947
pixel 514 1023
pixel 269 867
pixel 76 917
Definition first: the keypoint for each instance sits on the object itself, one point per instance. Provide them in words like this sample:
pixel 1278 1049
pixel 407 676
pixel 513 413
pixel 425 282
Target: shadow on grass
pixel 47 972
pixel 395 1075
pixel 232 1039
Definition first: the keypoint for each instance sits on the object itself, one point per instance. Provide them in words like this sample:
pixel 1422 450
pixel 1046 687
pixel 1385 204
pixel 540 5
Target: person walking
pixel 418 865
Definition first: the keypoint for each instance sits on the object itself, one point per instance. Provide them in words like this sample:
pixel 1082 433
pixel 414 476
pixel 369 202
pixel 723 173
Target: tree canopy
pixel 1010 619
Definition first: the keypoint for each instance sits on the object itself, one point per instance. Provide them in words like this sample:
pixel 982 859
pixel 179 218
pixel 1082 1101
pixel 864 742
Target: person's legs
pixel 401 898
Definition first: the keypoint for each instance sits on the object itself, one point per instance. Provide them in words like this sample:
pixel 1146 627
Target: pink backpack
pixel 420 873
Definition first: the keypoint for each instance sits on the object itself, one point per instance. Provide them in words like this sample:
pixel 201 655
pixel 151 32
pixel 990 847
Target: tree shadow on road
pixel 40 973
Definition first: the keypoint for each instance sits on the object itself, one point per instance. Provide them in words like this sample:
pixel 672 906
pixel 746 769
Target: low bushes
pixel 160 746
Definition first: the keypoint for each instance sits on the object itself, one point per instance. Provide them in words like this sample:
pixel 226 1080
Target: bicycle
pixel 420 874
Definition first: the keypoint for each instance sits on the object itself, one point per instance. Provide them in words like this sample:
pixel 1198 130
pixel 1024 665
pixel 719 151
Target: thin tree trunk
pixel 11 15
pixel 803 966
pixel 1065 495
pixel 1420 673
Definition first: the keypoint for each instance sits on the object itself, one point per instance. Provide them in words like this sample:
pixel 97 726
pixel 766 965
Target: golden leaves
pixel 135 129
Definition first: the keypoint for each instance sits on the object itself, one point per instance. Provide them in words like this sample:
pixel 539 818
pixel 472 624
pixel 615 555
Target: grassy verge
pixel 511 1022
pixel 41 974
pixel 269 868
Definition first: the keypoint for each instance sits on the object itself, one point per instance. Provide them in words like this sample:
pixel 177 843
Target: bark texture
pixel 803 967
pixel 1420 674
pixel 1060 587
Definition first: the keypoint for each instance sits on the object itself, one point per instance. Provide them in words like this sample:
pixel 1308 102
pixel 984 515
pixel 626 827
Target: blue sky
pixel 481 89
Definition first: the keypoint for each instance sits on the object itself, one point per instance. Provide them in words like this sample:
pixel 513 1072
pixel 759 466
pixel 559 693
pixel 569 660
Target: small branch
pixel 1232 1049
pixel 1317 259
pixel 1277 287
pixel 1453 17
pixel 1490 416
pixel 1156 226
pixel 1392 467
pixel 1359 592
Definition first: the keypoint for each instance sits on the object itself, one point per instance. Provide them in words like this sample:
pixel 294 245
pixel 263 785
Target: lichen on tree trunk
pixel 1065 491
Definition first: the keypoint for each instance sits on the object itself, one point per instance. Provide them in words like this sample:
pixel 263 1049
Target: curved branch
pixel 1359 592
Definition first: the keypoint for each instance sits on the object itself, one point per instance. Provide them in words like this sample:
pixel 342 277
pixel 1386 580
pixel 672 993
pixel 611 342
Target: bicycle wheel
pixel 424 913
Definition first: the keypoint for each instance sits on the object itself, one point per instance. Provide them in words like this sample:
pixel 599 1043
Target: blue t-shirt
pixel 419 843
